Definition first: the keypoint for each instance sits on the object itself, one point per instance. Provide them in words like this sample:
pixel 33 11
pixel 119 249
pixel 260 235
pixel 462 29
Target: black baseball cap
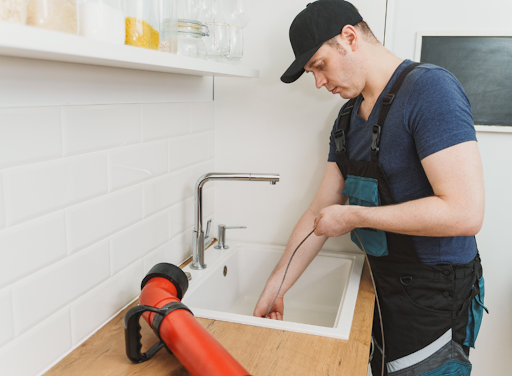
pixel 319 22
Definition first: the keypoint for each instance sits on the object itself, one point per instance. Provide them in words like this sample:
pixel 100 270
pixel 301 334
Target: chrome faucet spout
pixel 198 234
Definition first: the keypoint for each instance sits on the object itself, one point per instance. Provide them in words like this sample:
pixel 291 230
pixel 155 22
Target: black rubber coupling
pixel 170 272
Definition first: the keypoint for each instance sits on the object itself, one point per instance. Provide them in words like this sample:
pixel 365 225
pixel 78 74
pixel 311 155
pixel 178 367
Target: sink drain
pixel 225 270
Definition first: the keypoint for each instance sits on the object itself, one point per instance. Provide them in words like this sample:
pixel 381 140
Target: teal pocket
pixel 451 368
pixel 476 311
pixel 365 192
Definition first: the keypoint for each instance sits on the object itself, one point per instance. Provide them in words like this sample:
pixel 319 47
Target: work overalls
pixel 431 314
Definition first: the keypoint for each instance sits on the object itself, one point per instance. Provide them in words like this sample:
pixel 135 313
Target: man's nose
pixel 320 81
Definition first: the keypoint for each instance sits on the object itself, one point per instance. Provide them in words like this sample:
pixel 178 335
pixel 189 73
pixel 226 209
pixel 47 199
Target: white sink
pixel 321 302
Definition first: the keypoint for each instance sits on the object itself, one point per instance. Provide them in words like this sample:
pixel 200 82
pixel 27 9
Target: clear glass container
pixel 13 11
pixel 168 26
pixel 190 39
pixel 142 23
pixel 217 43
pixel 236 45
pixel 102 20
pixel 58 15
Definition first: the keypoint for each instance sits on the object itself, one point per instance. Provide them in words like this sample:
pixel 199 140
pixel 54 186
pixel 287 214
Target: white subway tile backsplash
pixel 91 197
pixel 29 134
pixel 6 317
pixel 29 247
pixel 53 287
pixel 199 170
pixel 202 116
pixel 40 188
pixel 163 120
pixel 181 216
pixel 174 251
pixel 98 127
pixel 188 150
pixel 132 164
pixel 96 219
pixel 165 191
pixel 136 241
pixel 36 350
pixel 101 303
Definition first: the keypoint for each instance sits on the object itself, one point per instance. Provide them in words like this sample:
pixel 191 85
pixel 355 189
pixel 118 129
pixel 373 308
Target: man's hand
pixel 264 303
pixel 335 220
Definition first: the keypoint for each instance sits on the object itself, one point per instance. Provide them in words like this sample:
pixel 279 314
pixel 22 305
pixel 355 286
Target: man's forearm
pixel 429 216
pixel 305 254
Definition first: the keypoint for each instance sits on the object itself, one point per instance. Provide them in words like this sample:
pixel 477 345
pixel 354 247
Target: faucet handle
pixel 222 235
pixel 208 225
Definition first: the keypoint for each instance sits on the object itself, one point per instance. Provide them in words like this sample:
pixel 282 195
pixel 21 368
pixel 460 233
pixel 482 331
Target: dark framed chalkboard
pixel 482 64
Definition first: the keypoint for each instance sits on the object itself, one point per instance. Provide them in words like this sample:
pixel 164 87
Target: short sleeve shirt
pixel 430 113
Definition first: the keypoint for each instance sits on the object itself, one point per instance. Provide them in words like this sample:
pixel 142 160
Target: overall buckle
pixel 376 137
pixel 388 99
pixel 347 110
pixel 339 139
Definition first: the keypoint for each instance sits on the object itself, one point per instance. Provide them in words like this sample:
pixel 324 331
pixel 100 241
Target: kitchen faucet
pixel 198 234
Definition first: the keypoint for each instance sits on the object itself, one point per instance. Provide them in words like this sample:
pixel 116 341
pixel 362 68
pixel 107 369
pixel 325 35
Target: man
pixel 403 152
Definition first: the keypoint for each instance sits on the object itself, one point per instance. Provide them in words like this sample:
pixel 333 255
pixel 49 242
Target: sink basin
pixel 321 302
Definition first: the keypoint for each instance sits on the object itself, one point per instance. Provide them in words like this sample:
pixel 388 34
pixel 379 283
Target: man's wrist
pixel 359 216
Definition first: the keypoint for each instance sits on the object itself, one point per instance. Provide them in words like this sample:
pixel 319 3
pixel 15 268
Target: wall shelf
pixel 34 43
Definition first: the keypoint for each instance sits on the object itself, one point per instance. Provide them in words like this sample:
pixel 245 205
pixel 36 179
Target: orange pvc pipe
pixel 190 342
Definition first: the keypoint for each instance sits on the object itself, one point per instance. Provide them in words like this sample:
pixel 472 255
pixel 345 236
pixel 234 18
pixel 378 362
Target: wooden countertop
pixel 261 351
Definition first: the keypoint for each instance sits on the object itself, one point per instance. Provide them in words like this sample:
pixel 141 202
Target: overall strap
pixel 341 130
pixel 386 106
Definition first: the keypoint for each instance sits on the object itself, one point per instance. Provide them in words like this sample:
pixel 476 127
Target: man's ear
pixel 349 35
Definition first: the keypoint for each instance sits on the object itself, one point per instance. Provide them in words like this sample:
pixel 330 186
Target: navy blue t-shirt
pixel 430 113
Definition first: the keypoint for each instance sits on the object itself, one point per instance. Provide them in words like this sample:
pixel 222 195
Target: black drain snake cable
pixel 286 271
pixel 374 288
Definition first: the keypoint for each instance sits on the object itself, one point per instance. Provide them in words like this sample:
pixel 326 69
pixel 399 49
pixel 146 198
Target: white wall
pixel 266 126
pixel 92 195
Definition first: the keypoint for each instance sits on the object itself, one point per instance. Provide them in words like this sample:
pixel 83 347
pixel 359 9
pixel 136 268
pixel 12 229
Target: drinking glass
pixel 236 45
pixel 189 9
pixel 236 12
pixel 217 43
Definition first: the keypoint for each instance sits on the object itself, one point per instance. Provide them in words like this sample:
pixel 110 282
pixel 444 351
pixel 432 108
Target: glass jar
pixel 13 11
pixel 190 39
pixel 142 23
pixel 168 26
pixel 58 15
pixel 102 20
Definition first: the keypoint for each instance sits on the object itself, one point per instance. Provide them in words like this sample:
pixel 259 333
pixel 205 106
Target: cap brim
pixel 296 70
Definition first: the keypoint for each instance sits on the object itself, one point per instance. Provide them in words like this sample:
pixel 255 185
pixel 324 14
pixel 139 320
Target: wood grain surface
pixel 262 351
